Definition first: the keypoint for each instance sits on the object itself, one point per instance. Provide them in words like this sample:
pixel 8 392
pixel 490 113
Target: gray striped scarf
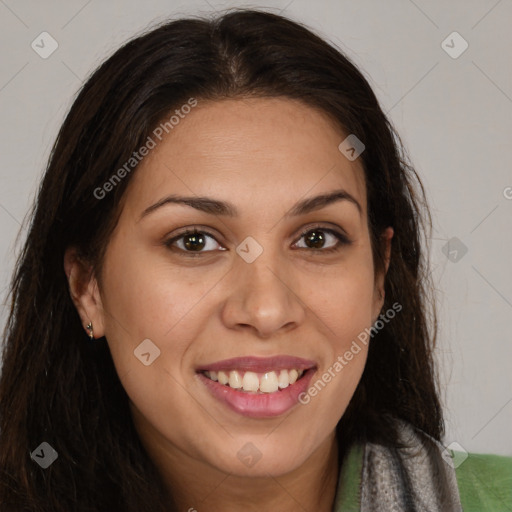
pixel 411 479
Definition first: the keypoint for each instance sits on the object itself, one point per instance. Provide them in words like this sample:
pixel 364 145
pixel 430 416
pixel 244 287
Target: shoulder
pixel 484 481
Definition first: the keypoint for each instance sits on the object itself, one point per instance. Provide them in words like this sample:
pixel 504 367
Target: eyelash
pixel 341 238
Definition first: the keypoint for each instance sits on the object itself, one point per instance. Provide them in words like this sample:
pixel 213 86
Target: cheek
pixel 151 301
pixel 343 302
pixel 342 299
pixel 147 297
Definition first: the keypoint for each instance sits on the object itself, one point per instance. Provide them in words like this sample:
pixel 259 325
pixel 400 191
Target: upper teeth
pixel 268 382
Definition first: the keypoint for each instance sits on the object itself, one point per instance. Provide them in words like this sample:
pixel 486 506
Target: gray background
pixel 454 115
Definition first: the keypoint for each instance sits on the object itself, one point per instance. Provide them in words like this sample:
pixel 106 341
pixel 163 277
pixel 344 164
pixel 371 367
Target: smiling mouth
pixel 258 387
pixel 256 382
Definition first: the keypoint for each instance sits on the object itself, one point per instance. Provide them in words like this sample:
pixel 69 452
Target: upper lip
pixel 260 364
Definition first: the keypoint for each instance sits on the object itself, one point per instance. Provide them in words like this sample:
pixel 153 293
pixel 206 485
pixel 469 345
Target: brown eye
pixel 315 239
pixel 194 242
pixel 323 239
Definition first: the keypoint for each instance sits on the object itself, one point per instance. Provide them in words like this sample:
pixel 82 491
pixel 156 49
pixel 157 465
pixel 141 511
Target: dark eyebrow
pixel 312 204
pixel 216 207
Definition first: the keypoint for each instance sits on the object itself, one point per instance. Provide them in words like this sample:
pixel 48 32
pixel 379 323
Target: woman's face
pixel 249 285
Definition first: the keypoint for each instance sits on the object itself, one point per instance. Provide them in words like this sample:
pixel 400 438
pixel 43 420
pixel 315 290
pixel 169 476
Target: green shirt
pixel 484 482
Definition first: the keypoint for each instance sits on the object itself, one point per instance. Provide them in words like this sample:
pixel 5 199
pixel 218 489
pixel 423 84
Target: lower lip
pixel 259 405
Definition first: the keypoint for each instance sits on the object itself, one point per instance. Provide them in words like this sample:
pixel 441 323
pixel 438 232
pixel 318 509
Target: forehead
pixel 259 151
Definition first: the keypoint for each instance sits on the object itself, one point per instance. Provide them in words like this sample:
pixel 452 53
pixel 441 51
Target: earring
pixel 91 333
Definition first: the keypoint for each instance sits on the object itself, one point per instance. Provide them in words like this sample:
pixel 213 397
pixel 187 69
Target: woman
pixel 222 300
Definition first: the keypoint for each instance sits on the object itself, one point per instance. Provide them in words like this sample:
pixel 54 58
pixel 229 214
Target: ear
pixel 84 291
pixel 379 293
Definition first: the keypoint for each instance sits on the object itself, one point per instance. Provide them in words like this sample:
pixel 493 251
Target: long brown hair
pixel 57 387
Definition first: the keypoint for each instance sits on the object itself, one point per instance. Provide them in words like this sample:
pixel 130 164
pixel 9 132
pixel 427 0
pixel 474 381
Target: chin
pixel 259 457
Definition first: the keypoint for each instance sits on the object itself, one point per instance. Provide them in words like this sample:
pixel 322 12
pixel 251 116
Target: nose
pixel 263 297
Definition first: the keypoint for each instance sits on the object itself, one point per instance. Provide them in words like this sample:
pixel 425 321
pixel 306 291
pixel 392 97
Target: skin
pixel 262 155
